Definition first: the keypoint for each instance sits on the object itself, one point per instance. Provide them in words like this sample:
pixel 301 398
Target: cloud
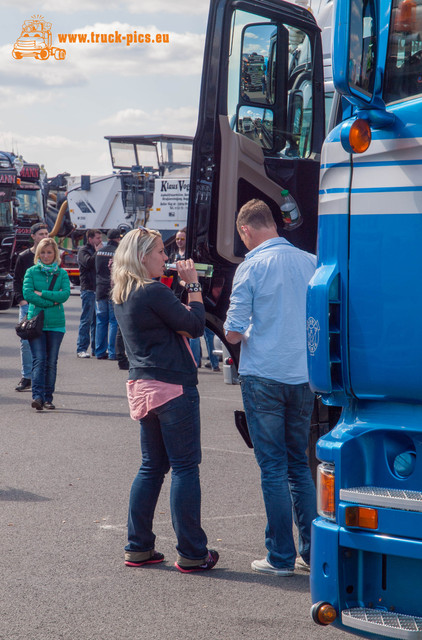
pixel 138 59
pixel 40 142
pixel 84 61
pixel 41 74
pixel 9 97
pixel 183 121
pixel 189 7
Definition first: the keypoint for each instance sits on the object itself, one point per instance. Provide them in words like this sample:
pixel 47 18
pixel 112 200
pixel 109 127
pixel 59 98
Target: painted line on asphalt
pixel 242 453
pixel 123 527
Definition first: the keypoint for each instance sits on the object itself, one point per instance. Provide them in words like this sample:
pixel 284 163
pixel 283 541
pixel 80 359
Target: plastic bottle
pixel 203 270
pixel 290 212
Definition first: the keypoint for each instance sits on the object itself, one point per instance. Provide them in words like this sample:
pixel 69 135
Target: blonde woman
pixel 162 394
pixel 45 348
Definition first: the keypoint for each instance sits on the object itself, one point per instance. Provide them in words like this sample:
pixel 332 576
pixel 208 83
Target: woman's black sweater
pixel 149 321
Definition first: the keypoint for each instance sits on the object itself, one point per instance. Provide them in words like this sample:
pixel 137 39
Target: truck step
pixel 385 623
pixel 381 497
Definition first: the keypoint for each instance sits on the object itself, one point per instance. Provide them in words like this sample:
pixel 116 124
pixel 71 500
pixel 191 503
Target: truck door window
pixel 270 85
pixel 362 46
pixel 403 78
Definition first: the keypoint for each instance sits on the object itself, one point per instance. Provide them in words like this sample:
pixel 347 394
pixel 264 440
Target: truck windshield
pixel 30 204
pixel 176 158
pixel 403 78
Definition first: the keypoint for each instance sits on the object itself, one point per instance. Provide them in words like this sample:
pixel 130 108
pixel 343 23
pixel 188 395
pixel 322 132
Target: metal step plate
pixel 380 497
pixel 385 623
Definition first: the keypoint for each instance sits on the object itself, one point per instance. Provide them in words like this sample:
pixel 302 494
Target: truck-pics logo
pixel 35 41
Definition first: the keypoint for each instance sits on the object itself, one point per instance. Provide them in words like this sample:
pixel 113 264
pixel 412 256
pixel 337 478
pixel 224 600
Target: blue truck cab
pixel 359 191
pixel 364 326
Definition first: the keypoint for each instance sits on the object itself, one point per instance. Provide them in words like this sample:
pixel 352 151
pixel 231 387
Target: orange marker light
pixel 360 136
pixel 325 491
pixel 363 517
pixel 323 613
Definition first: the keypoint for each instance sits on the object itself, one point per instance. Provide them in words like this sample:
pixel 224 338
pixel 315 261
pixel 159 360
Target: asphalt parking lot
pixel 65 479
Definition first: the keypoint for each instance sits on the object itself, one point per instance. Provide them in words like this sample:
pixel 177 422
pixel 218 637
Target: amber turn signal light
pixel 325 491
pixel 363 517
pixel 360 136
pixel 323 613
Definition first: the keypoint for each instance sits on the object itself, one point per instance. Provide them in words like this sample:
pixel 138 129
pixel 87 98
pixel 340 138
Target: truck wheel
pixel 17 55
pixel 43 54
pixel 4 306
pixel 60 54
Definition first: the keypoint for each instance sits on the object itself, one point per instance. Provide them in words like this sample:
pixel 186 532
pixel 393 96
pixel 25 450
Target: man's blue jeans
pixel 45 353
pixel 26 355
pixel 106 329
pixel 209 341
pixel 170 437
pixel 195 345
pixel 86 332
pixel 278 417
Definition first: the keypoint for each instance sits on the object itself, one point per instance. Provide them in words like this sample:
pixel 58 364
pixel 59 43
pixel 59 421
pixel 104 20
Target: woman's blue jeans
pixel 170 437
pixel 45 353
pixel 278 417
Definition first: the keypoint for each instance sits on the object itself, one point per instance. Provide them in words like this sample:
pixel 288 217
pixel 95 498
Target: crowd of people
pixel 121 288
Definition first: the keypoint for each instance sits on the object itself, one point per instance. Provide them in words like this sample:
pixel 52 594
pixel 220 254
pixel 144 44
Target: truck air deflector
pixel 385 623
pixel 382 497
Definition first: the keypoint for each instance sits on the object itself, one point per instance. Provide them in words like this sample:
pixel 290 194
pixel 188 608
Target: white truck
pixel 149 186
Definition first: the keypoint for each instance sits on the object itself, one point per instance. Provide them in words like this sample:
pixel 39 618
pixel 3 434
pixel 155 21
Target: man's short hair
pixel 37 227
pixel 91 233
pixel 256 214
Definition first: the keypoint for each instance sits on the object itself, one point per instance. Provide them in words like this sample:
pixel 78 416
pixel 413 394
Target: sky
pixel 57 112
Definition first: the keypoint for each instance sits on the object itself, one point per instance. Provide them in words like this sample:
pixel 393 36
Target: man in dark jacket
pixel 25 260
pixel 86 262
pixel 106 326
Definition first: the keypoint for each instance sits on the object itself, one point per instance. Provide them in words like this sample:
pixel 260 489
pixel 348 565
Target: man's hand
pixel 22 302
pixel 234 337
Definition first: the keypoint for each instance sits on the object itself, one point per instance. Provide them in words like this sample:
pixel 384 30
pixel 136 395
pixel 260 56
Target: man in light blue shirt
pixel 267 315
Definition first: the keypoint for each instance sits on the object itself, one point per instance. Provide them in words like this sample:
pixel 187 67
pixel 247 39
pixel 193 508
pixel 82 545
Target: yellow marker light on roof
pixel 363 517
pixel 360 136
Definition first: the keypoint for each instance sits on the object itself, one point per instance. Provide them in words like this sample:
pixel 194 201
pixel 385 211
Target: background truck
pixel 29 204
pixel 8 179
pixel 149 187
pixel 35 41
pixel 364 303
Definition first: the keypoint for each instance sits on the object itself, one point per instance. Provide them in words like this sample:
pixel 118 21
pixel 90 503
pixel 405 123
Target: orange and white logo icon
pixel 35 41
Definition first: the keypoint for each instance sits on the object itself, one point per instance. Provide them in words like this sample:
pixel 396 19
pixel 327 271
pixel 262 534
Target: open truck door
pixel 260 130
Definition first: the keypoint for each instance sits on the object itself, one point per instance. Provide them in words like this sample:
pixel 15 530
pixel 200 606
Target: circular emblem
pixel 312 331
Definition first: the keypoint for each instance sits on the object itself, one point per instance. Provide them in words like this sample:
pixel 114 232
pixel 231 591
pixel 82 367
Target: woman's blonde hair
pixel 47 242
pixel 128 270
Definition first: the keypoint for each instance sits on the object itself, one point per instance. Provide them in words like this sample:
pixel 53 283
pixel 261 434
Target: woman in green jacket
pixel 45 349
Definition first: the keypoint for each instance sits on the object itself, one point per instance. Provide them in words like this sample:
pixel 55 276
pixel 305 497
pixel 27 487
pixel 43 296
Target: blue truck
pixel 359 191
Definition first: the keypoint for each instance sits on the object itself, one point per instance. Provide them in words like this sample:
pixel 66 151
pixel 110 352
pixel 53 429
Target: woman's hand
pixel 186 270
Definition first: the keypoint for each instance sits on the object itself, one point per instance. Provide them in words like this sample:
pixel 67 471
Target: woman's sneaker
pixel 209 563
pixel 137 559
